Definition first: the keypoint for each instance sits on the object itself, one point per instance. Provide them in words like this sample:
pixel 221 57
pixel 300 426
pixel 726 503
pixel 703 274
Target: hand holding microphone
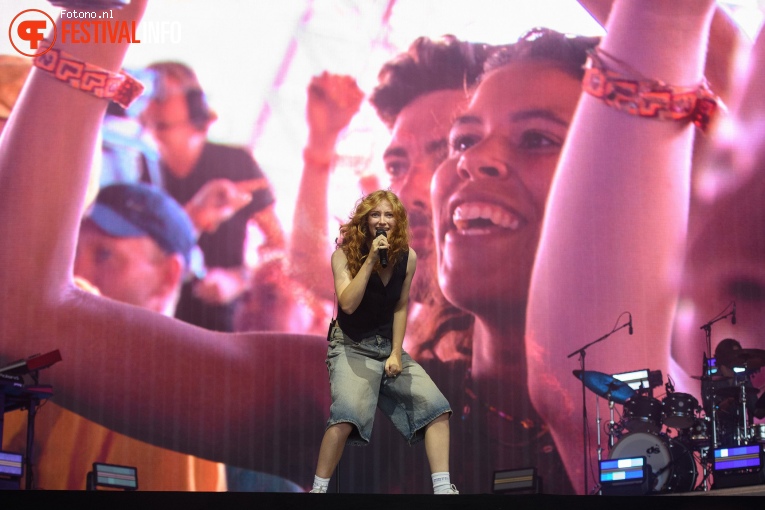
pixel 383 252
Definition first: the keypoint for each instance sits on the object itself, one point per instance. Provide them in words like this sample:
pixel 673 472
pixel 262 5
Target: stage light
pixel 113 477
pixel 738 466
pixel 630 476
pixel 517 481
pixel 11 469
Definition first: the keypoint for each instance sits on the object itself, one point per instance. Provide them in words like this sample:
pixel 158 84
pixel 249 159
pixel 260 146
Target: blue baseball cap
pixel 138 210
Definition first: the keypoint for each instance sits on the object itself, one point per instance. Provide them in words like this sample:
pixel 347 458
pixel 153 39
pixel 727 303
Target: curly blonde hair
pixel 355 233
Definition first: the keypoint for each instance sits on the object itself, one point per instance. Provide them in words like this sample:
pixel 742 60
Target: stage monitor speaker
pixel 631 476
pixel 738 466
pixel 11 469
pixel 111 476
pixel 517 481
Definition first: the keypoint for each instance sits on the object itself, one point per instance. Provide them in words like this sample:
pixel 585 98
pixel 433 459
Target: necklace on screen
pixel 530 428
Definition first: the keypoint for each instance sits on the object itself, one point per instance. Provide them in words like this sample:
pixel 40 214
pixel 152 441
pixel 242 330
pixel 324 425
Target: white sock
pixel 320 483
pixel 441 482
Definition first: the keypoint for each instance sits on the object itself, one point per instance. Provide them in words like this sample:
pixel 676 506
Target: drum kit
pixel 677 434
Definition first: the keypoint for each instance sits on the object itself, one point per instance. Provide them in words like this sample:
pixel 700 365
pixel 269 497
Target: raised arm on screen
pixel 616 218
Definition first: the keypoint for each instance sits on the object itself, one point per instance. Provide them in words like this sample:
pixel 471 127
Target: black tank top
pixel 374 315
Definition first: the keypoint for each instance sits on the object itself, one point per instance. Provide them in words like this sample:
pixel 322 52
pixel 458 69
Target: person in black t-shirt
pixel 178 117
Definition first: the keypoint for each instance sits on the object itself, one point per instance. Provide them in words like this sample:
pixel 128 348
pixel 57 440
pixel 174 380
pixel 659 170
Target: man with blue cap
pixel 135 246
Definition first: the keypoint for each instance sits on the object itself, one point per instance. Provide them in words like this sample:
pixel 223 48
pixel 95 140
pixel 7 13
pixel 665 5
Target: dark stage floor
pixel 733 499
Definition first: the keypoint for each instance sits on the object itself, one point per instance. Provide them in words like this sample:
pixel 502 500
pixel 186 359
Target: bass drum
pixel 672 463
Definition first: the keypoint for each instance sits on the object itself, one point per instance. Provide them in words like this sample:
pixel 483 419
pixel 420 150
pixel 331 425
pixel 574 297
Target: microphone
pixel 670 386
pixel 630 324
pixel 733 319
pixel 383 253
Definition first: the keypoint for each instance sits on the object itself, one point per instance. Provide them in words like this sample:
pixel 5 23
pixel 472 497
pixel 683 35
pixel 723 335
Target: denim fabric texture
pixel 358 385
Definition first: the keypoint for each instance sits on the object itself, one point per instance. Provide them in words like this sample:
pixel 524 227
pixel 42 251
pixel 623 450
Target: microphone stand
pixel 708 338
pixel 708 331
pixel 582 352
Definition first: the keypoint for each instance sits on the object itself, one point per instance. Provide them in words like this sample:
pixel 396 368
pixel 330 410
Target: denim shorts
pixel 358 385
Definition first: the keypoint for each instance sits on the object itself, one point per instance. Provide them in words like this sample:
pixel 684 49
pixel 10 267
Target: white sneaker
pixel 451 490
pixel 317 490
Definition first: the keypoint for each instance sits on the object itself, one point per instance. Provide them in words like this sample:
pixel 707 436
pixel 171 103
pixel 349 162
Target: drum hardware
pixel 728 402
pixel 705 468
pixel 741 434
pixel 708 378
pixel 611 426
pixel 597 421
pixel 610 388
pixel 733 416
pixel 602 386
pixel 679 410
pixel 708 329
pixel 614 429
pixel 757 433
pixel 606 386
pixel 643 414
pixel 750 359
pixel 613 387
pixel 713 378
pixel 698 433
pixel 672 463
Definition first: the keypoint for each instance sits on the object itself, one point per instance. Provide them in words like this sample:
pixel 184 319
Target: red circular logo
pixel 27 32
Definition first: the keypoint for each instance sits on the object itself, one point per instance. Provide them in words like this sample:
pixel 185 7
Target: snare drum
pixel 700 433
pixel 672 463
pixel 642 414
pixel 757 433
pixel 679 410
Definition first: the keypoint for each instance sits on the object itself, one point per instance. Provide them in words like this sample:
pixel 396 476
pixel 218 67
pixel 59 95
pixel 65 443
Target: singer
pixel 368 367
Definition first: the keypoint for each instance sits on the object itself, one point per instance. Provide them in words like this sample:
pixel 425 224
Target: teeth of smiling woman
pixel 480 215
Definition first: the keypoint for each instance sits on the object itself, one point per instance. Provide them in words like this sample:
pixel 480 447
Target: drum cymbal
pixel 752 359
pixel 605 385
pixel 713 377
pixel 735 391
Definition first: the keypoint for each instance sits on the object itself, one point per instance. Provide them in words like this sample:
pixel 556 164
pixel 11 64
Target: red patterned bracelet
pixel 649 97
pixel 121 88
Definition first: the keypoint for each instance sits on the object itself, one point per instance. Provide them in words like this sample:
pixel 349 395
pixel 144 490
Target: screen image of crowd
pixel 583 212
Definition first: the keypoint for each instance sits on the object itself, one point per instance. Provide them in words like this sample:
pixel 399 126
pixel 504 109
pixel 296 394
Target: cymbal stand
pixel 715 444
pixel 706 464
pixel 611 424
pixel 710 396
pixel 582 352
pixel 708 329
pixel 708 338
pixel 597 420
pixel 742 437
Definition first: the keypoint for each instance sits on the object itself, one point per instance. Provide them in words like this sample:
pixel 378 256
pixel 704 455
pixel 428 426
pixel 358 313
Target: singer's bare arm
pixel 616 222
pixel 140 373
